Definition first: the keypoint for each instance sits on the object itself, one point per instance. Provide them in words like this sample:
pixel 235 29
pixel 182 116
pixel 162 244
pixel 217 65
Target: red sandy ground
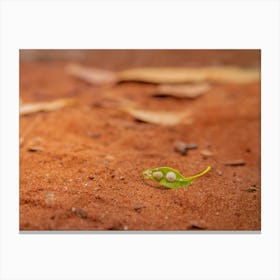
pixel 88 175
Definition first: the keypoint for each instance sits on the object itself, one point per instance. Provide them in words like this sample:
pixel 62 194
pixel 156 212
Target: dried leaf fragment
pixel 253 188
pixel 91 75
pixel 163 75
pixel 197 225
pixel 159 117
pixel 239 162
pixel 219 74
pixel 35 149
pixel 30 108
pixel 182 91
pixel 206 153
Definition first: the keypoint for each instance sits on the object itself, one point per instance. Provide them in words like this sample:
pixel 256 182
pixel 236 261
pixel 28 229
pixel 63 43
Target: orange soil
pixel 88 173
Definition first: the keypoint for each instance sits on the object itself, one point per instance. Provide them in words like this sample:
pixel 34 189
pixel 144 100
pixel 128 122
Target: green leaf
pixel 171 178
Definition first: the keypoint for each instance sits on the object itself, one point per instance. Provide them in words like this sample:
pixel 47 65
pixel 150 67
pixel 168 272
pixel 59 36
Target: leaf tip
pixel 147 174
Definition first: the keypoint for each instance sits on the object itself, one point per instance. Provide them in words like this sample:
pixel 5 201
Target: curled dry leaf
pixel 161 75
pixel 159 117
pixel 30 108
pixel 182 91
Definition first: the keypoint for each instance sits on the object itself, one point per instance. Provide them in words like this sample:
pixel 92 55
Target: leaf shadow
pixel 154 186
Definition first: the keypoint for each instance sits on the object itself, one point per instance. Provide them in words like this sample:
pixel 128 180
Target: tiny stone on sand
pixel 80 212
pixel 49 198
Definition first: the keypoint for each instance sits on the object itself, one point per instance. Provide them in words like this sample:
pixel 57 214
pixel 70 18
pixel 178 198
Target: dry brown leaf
pixel 182 91
pixel 159 117
pixel 91 75
pixel 206 153
pixel 219 74
pixel 30 108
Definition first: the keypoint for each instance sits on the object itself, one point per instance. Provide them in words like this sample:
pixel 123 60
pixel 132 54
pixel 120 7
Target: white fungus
pixel 157 175
pixel 170 176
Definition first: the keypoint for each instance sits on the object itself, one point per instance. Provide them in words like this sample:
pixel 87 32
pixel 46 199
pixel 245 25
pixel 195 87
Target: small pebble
pixel 109 157
pixel 80 212
pixel 219 172
pixel 182 147
pixel 138 207
pixel 122 178
pixel 21 140
pixel 94 135
pixel 91 177
pixel 49 198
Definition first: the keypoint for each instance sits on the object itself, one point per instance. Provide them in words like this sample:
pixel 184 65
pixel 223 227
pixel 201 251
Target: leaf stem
pixel 199 174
